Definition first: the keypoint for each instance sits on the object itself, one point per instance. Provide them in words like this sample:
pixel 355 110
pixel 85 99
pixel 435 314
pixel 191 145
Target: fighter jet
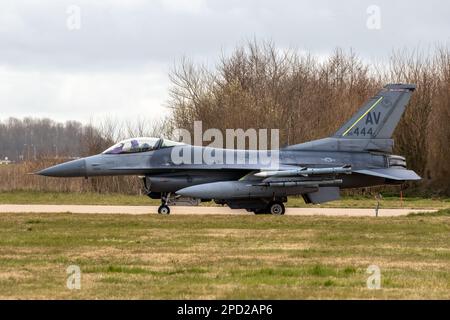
pixel 358 155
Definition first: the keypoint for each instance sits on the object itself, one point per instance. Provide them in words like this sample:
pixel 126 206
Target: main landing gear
pixel 274 207
pixel 164 208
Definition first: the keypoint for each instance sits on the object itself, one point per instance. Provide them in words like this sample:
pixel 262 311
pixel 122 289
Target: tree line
pixel 30 139
pixel 33 144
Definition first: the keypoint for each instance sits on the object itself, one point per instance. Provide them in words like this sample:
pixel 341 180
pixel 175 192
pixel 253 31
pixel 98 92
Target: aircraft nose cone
pixel 75 168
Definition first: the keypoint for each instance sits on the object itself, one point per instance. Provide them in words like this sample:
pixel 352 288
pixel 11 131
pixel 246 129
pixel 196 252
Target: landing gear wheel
pixel 276 208
pixel 163 209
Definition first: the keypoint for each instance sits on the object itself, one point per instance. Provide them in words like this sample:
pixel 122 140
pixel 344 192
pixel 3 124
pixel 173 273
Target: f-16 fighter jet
pixel 358 155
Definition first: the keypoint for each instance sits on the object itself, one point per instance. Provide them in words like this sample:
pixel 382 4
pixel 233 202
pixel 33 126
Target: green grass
pixel 385 202
pixel 37 197
pixel 229 257
pixel 88 198
pixel 440 213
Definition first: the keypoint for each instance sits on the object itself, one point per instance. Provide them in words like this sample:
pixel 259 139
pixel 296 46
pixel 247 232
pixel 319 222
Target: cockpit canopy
pixel 144 144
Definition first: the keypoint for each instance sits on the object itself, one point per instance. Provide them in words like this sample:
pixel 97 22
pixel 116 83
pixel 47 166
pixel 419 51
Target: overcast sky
pixel 87 59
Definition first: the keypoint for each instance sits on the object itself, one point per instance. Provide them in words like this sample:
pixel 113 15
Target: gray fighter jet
pixel 358 155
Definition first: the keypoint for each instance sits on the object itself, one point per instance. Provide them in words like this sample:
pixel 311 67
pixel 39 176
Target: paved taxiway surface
pixel 198 210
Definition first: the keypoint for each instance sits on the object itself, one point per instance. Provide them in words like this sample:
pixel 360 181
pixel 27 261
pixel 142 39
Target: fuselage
pixel 170 176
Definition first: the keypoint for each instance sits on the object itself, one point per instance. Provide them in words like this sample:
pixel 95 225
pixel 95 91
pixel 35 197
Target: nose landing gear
pixel 164 208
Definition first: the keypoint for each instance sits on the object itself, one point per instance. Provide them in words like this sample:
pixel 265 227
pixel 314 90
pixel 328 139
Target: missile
pixel 306 183
pixel 347 169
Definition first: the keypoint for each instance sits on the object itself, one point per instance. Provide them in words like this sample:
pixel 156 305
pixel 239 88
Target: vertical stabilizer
pixel 379 116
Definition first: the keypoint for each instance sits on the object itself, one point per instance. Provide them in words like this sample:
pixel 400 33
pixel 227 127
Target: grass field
pixel 35 197
pixel 154 256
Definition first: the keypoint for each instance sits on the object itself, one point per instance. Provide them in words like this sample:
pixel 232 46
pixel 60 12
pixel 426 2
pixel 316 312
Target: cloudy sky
pixel 84 59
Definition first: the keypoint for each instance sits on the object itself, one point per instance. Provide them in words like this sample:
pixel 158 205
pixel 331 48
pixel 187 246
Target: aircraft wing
pixel 391 173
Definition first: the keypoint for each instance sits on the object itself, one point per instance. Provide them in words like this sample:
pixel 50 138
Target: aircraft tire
pixel 164 209
pixel 276 208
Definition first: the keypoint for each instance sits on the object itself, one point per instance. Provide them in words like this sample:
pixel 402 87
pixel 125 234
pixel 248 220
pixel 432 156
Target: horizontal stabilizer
pixel 391 173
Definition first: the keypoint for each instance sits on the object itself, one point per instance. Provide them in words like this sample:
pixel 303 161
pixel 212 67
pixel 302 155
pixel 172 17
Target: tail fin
pixel 371 128
pixel 379 116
